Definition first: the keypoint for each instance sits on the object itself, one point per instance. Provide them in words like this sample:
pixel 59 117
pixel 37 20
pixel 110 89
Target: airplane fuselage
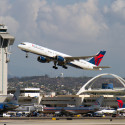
pixel 79 110
pixel 106 111
pixel 121 109
pixel 51 54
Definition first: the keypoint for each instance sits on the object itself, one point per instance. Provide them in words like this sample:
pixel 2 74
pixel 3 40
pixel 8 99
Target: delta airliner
pixel 46 55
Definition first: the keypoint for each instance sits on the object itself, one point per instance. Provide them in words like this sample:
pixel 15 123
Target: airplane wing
pixel 98 67
pixel 77 58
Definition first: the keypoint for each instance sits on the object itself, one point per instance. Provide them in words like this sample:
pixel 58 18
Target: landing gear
pixel 65 67
pixel 59 64
pixel 26 55
pixel 55 67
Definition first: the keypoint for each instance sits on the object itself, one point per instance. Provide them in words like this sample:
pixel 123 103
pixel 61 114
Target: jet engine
pixel 60 58
pixel 1 106
pixel 43 59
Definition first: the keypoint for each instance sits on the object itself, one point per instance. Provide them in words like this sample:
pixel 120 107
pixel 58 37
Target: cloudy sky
pixel 74 27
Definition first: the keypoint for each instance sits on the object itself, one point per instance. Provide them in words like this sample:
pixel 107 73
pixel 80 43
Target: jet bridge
pixel 6 40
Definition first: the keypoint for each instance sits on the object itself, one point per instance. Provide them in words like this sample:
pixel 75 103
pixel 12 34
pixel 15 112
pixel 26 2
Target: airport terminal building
pixel 86 95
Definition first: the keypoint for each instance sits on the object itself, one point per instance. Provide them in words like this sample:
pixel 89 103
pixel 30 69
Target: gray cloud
pixel 72 22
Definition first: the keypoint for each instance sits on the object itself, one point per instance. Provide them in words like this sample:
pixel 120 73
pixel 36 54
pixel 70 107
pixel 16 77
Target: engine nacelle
pixel 42 59
pixel 1 106
pixel 60 58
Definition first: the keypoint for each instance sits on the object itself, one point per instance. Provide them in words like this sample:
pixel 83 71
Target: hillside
pixel 59 85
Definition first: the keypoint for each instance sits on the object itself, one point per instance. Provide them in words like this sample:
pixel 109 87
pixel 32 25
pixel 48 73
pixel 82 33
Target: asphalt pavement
pixel 65 122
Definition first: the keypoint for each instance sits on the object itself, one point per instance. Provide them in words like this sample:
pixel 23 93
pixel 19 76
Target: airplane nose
pixel 19 46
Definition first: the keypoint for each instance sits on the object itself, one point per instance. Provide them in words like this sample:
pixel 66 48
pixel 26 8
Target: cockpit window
pixel 23 44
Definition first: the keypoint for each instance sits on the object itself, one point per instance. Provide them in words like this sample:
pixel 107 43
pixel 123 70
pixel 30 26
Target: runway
pixel 64 122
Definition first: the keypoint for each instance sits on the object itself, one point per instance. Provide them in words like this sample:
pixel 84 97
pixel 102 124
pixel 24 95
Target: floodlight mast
pixel 6 40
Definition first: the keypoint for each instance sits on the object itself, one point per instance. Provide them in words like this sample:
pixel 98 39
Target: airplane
pixel 121 105
pixel 106 111
pixel 47 55
pixel 74 110
pixel 13 104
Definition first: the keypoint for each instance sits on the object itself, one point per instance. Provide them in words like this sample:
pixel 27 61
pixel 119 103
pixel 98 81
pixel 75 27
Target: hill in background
pixel 65 85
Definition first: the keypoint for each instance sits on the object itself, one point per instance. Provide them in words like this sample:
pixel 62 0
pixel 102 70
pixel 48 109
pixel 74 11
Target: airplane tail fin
pixel 97 59
pixel 98 102
pixel 16 96
pixel 120 103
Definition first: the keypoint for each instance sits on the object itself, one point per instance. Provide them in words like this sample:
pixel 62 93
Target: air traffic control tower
pixel 5 41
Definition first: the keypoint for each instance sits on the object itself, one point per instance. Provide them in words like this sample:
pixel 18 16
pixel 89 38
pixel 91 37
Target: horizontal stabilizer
pixel 98 67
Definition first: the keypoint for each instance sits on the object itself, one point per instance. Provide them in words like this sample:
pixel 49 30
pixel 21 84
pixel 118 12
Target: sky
pixel 73 27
